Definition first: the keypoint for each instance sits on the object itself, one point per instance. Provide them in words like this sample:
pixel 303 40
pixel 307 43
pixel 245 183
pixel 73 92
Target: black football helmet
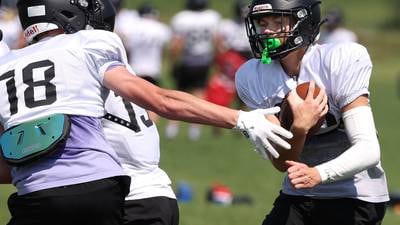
pixel 196 5
pixel 102 15
pixel 305 16
pixel 148 10
pixel 39 16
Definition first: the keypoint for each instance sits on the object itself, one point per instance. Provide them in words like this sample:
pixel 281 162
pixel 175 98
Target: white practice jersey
pixel 123 22
pixel 146 41
pixel 198 28
pixel 338 35
pixel 343 70
pixel 62 74
pixel 234 35
pixel 138 150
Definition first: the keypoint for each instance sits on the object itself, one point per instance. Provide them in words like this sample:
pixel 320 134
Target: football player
pixel 231 33
pixel 53 96
pixel 192 53
pixel 151 199
pixel 124 20
pixel 145 41
pixel 334 177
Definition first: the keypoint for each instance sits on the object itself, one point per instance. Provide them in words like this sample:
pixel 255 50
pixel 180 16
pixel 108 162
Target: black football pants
pixel 300 210
pixel 98 202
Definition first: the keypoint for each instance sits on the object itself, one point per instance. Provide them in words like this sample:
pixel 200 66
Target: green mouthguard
pixel 270 44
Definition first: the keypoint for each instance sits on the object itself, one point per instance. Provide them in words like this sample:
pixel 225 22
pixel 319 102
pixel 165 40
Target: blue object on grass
pixel 184 192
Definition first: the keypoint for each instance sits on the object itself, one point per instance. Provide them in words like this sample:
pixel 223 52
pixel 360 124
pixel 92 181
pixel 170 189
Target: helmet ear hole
pixel 67 14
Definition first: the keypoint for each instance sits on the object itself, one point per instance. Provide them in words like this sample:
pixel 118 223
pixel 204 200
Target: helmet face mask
pixel 273 30
pixel 299 22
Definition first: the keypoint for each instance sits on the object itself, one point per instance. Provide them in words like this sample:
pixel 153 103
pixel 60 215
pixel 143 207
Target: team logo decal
pixel 31 31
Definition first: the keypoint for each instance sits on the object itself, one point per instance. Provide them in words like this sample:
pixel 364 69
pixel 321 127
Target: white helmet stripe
pixel 37 28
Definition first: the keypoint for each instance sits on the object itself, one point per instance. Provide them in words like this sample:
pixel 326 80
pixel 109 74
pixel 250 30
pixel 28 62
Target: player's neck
pixel 292 62
pixel 50 33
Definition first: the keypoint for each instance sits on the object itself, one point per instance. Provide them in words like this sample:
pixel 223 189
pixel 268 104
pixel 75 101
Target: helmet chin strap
pixel 271 44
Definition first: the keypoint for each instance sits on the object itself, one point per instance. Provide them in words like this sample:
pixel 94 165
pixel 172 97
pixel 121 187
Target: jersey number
pixel 47 67
pixel 132 117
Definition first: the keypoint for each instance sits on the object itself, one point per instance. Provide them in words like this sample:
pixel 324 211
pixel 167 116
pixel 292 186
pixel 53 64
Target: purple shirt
pixel 86 157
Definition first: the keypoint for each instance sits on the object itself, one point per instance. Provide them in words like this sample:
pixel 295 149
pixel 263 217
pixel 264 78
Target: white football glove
pixel 260 131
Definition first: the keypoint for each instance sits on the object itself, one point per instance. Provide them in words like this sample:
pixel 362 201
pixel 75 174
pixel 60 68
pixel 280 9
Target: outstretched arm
pixel 178 105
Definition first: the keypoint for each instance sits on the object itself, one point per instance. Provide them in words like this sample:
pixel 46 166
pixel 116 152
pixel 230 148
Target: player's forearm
pixel 170 104
pixel 297 143
pixel 182 106
pixel 364 152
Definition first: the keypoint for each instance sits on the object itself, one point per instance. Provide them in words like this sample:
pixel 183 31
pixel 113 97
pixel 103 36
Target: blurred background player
pixel 232 44
pixel 192 53
pixel 10 25
pixel 4 49
pixel 145 41
pixel 334 30
pixel 221 85
pixel 123 21
pixel 231 33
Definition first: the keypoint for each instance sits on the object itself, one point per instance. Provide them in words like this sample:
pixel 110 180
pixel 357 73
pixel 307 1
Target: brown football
pixel 286 115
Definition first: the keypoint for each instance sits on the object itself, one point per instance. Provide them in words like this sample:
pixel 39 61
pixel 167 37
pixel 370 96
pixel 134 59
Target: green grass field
pixel 228 159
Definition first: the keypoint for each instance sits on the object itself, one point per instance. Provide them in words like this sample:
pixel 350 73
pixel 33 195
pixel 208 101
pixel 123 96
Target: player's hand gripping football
pixel 261 132
pixel 308 112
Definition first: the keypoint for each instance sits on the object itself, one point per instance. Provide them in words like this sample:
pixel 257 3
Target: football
pixel 286 115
